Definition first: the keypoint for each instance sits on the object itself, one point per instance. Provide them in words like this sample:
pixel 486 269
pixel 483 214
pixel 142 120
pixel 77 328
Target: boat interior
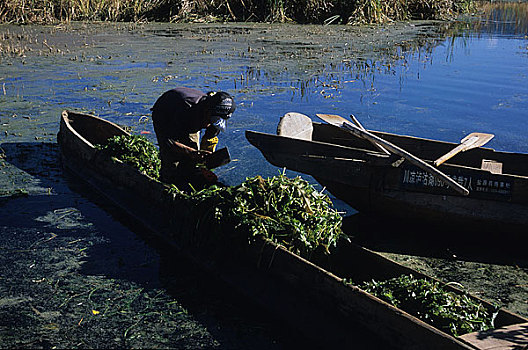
pixel 296 125
pixel 94 130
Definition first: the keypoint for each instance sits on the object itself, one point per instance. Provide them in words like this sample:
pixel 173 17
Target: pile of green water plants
pixel 289 212
pixel 428 300
pixel 135 150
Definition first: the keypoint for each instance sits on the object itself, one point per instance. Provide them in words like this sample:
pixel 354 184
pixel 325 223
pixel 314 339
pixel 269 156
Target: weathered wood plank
pixel 503 338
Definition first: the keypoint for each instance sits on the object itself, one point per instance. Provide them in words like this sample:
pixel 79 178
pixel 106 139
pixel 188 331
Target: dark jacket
pixel 176 116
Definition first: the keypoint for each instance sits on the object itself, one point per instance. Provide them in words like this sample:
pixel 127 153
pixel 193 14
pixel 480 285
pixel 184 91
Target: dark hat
pixel 221 104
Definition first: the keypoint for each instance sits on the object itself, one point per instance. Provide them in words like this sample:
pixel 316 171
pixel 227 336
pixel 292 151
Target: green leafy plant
pixel 290 212
pixel 134 150
pixel 428 300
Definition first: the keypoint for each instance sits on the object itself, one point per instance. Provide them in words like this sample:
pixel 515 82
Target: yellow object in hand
pixel 209 144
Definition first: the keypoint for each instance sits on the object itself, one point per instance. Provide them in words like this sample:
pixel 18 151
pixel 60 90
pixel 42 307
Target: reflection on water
pixel 438 81
pixel 504 18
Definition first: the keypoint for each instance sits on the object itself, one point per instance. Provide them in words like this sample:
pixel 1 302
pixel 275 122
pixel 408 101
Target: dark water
pixel 435 81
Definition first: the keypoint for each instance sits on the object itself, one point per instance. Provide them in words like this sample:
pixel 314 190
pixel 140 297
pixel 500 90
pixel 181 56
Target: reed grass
pixel 301 11
pixel 45 11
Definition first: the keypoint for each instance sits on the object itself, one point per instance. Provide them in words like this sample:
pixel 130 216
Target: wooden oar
pixel 377 145
pixel 473 140
pixel 344 124
pixel 337 119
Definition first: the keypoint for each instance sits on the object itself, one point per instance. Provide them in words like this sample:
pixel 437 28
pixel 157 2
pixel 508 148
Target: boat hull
pixel 382 185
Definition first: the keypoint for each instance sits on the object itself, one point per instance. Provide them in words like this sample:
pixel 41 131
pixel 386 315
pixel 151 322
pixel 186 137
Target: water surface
pixel 424 82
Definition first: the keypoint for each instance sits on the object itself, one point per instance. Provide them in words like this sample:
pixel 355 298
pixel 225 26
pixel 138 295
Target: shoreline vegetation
pixel 281 11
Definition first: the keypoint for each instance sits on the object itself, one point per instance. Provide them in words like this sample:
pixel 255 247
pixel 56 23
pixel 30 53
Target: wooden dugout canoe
pixel 311 297
pixel 353 170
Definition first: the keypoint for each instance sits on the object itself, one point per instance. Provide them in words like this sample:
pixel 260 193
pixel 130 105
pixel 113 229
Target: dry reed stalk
pixel 302 11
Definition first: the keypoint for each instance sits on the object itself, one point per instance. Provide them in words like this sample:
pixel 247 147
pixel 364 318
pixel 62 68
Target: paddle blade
pixel 295 125
pixel 333 119
pixel 473 140
pixel 337 120
pixel 476 139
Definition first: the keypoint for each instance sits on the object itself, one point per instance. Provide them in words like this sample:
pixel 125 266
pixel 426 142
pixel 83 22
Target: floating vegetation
pixel 135 150
pixel 451 312
pixel 17 192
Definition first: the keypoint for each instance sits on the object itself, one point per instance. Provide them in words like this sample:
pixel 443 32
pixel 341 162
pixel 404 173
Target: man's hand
pixel 193 154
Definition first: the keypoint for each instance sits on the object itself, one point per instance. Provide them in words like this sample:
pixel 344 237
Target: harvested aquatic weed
pixel 290 212
pixel 428 300
pixel 134 150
